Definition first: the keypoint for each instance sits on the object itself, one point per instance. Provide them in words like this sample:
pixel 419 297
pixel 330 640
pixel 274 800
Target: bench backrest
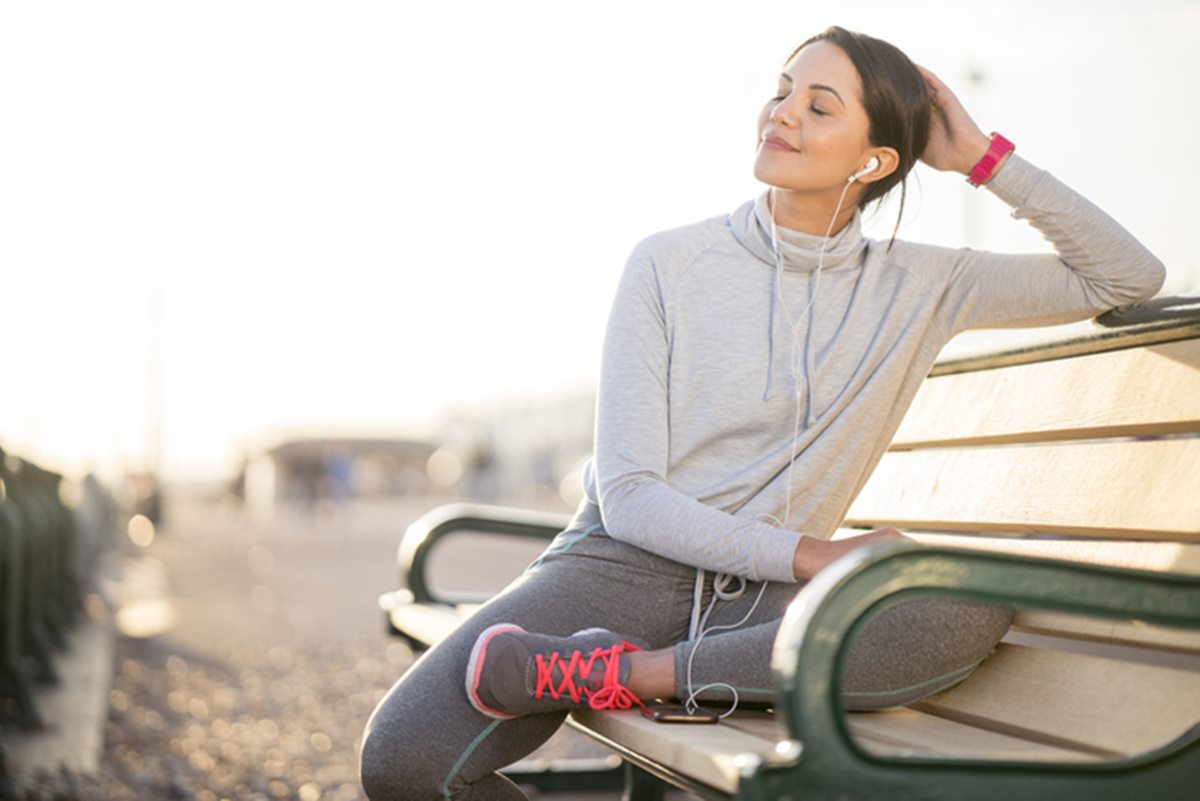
pixel 1085 449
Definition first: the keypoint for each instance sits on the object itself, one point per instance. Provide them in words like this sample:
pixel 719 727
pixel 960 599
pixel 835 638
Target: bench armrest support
pixel 424 533
pixel 812 643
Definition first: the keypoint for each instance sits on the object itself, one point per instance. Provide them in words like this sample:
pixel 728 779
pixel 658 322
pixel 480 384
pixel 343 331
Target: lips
pixel 775 143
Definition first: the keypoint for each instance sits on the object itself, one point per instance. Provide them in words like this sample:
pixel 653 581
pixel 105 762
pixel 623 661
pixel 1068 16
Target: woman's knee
pixel 418 762
pixel 427 745
pixel 920 648
pixel 392 768
pixel 396 761
pixel 373 771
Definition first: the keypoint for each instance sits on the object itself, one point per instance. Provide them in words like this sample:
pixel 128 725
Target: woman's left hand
pixel 813 555
pixel 955 141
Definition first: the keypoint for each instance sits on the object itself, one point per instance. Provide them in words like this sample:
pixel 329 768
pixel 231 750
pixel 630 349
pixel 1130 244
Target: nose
pixel 783 114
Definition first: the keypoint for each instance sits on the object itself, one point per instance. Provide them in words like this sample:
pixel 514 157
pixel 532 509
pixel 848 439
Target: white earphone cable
pixel 720 580
pixel 794 326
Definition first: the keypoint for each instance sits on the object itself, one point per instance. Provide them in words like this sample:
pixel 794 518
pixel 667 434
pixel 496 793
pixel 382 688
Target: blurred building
pixel 522 451
pixel 305 471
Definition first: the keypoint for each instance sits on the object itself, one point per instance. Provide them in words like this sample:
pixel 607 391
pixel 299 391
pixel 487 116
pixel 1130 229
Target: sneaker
pixel 513 672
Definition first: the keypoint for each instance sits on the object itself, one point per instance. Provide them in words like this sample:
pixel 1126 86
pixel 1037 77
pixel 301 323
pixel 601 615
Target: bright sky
pixel 364 213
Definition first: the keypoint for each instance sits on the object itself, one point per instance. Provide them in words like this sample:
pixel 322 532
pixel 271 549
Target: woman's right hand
pixel 956 142
pixel 812 554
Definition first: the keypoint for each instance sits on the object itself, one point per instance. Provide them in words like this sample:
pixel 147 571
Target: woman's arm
pixel 1098 265
pixel 637 504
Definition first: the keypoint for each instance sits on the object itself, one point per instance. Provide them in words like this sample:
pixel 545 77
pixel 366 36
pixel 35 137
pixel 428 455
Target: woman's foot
pixel 513 672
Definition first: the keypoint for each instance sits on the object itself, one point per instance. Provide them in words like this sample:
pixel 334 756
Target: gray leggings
pixel 425 740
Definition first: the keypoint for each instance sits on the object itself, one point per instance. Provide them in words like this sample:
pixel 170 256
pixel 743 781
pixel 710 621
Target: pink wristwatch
pixel 996 151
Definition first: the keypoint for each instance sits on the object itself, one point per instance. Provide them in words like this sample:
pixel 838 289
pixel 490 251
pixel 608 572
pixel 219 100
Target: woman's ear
pixel 888 159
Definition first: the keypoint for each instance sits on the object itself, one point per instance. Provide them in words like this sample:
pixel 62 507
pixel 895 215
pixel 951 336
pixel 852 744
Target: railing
pixel 44 558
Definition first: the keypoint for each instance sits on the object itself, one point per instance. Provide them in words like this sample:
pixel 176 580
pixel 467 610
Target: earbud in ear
pixel 871 165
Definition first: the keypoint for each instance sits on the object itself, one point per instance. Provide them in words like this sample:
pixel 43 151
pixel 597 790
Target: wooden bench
pixel 1061 476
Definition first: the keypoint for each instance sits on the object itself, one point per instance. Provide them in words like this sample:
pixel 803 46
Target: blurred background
pixel 225 226
pixel 280 276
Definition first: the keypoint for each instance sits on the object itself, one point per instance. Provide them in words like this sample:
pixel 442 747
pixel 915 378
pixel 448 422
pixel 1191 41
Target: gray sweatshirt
pixel 707 370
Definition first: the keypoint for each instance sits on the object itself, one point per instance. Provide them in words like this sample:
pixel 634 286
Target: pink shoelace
pixel 611 693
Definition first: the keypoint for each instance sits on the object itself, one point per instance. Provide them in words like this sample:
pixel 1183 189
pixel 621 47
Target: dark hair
pixel 896 99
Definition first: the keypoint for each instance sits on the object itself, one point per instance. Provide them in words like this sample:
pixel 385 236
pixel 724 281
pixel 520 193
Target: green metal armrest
pixel 822 761
pixel 424 533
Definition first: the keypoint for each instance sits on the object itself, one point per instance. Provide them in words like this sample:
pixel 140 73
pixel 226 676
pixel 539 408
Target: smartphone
pixel 662 713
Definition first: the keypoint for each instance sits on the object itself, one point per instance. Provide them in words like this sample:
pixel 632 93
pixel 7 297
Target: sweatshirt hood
pixel 797 252
pixel 751 227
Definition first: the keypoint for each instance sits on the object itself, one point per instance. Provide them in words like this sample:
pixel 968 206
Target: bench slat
pixel 705 752
pixel 1134 489
pixel 1167 557
pixel 428 623
pixel 1154 390
pixel 902 732
pixel 1132 633
pixel 1109 707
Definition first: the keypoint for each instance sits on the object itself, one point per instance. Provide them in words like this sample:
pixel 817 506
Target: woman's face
pixel 814 133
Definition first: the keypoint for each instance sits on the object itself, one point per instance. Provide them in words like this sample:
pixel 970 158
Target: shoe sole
pixel 475 668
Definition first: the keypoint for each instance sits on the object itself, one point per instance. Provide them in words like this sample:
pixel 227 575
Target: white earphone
pixel 871 165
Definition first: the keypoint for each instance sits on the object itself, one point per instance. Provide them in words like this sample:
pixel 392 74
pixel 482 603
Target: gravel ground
pixel 263 723
pixel 241 699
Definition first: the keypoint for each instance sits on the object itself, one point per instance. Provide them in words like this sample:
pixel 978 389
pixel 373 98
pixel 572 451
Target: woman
pixel 755 368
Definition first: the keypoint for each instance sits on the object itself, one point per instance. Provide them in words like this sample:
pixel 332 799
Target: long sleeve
pixel 1097 266
pixel 637 503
